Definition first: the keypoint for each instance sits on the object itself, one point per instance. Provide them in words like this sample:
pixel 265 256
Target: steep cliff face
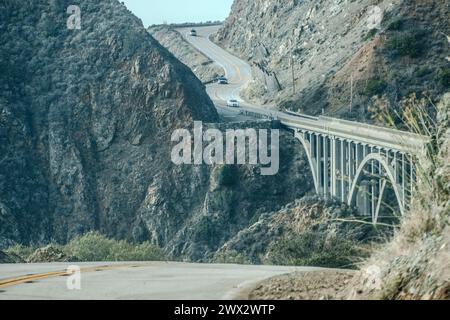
pixel 84 118
pixel 193 211
pixel 356 59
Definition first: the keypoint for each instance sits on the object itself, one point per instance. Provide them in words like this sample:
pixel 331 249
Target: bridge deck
pixel 355 131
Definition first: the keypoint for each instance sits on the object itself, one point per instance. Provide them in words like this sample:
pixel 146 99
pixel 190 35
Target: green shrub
pixel 407 44
pixel 90 247
pixel 422 71
pixel 21 251
pixel 125 251
pixel 371 34
pixel 96 247
pixel 375 87
pixel 206 231
pixel 444 77
pixel 314 249
pixel 395 25
pixel 231 257
pixel 228 175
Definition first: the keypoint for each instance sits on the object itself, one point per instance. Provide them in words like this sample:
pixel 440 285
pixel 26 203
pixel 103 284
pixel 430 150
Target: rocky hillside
pixel 416 264
pixel 203 67
pixel 85 123
pixel 307 232
pixel 349 58
pixel 83 116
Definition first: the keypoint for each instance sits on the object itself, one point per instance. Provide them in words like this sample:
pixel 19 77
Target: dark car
pixel 222 80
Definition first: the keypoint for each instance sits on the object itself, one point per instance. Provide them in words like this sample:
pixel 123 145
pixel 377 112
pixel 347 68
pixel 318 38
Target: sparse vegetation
pixel 371 34
pixel 406 44
pixel 423 71
pixel 395 25
pixel 316 249
pixel 228 175
pixel 231 257
pixel 21 251
pixel 415 265
pixel 444 77
pixel 375 87
pixel 94 246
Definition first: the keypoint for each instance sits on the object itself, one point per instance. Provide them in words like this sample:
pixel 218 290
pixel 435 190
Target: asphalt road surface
pixel 237 71
pixel 134 281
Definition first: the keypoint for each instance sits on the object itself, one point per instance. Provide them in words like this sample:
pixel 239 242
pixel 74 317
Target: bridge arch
pixel 312 164
pixel 390 172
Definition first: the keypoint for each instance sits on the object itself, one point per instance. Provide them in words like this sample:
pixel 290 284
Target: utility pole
pixel 293 42
pixel 351 92
pixel 293 73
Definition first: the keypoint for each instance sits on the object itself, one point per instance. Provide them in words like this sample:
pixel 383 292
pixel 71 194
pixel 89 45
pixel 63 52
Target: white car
pixel 233 103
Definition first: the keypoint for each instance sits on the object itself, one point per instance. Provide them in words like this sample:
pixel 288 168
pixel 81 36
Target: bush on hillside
pixel 21 251
pixel 228 175
pixel 231 257
pixel 96 247
pixel 406 44
pixel 315 249
pixel 375 87
pixel 444 77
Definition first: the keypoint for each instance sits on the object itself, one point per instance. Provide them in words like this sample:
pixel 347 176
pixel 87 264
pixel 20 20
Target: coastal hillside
pixel 352 59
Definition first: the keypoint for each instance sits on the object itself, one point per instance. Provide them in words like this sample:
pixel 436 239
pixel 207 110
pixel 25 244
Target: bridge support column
pixel 319 162
pixel 326 183
pixel 342 153
pixel 334 159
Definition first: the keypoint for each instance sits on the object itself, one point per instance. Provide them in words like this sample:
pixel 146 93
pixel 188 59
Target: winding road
pixel 134 281
pixel 239 74
pixel 237 71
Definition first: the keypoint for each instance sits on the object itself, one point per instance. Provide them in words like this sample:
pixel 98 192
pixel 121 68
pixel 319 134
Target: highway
pixel 239 75
pixel 134 281
pixel 237 71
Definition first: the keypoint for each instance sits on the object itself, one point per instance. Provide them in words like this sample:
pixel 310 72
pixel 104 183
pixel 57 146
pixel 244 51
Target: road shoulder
pixel 315 285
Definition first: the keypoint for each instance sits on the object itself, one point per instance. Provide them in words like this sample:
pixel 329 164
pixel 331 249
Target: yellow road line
pixel 34 277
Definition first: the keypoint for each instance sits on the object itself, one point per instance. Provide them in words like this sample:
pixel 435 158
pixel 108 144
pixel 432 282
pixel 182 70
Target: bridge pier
pixel 356 172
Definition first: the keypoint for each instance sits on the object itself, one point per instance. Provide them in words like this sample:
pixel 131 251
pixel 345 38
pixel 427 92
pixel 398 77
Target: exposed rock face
pixel 83 116
pixel 85 123
pixel 193 211
pixel 203 67
pixel 342 57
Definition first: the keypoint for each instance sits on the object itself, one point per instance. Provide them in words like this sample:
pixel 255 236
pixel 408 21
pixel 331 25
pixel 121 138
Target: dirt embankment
pixel 319 285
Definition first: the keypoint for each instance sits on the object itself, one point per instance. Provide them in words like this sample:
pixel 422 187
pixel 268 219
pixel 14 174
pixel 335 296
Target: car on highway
pixel 222 80
pixel 193 33
pixel 233 103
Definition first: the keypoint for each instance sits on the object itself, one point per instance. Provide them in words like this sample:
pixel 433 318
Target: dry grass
pixel 416 263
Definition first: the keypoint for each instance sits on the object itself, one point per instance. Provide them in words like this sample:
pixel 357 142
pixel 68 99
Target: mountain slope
pixel 83 116
pixel 349 58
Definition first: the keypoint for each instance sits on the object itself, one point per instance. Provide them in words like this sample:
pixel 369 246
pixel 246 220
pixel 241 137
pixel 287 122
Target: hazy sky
pixel 176 11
